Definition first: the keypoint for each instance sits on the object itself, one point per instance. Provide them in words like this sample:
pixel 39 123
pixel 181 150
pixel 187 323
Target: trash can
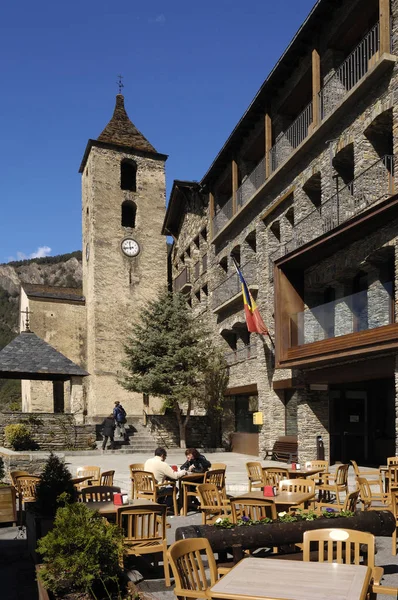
pixel 320 448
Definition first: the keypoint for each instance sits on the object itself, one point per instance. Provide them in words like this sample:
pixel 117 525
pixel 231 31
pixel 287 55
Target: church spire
pixel 122 132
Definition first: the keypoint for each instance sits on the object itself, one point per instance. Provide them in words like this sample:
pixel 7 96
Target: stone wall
pixel 164 429
pixel 51 431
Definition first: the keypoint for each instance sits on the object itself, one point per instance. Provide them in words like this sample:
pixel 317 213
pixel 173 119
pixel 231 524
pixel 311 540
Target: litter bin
pixel 320 448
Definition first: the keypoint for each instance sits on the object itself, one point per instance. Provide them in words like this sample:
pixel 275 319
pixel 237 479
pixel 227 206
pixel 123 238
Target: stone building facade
pixel 124 267
pixel 302 196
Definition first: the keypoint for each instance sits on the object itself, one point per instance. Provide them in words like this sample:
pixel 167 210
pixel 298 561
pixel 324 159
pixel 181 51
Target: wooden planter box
pixel 37 526
pixel 8 509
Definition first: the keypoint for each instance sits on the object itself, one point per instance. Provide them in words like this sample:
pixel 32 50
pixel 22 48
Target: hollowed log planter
pixel 280 534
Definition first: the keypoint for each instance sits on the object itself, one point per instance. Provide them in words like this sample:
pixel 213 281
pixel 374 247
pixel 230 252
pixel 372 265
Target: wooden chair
pixel 374 478
pixel 94 473
pixel 333 484
pixel 145 486
pixel 189 569
pixel 392 460
pixel 273 475
pixel 255 475
pixel 26 491
pixel 343 546
pixel 134 467
pixel 368 499
pixel 303 486
pixel 98 493
pixel 394 508
pixel 107 478
pixel 253 509
pixel 15 474
pixel 212 504
pixel 217 466
pixel 144 530
pixel 350 503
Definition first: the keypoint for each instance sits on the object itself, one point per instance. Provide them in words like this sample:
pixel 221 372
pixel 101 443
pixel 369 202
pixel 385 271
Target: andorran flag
pixel 254 321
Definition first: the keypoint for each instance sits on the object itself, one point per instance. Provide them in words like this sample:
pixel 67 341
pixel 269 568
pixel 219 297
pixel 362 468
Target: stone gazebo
pixel 28 357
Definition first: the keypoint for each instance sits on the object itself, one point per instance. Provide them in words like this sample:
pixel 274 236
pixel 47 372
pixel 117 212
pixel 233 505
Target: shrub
pixel 55 481
pixel 19 436
pixel 81 552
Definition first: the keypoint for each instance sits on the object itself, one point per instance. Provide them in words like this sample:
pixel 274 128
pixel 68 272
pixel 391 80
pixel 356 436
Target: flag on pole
pixel 254 321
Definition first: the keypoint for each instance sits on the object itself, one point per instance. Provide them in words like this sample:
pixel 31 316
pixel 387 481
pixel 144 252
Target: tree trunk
pixel 181 426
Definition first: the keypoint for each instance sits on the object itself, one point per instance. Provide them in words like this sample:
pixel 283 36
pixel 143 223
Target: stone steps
pixel 140 440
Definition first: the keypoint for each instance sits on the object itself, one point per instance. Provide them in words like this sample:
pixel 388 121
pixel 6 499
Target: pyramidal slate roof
pixel 28 354
pixel 122 132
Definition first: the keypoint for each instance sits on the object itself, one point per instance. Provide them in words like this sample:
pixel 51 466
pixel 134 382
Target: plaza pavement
pixel 16 570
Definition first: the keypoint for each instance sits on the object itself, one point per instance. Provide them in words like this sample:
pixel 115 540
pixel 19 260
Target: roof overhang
pixel 174 212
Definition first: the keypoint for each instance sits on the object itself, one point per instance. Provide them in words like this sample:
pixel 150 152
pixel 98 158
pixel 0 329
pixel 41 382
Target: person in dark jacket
pixel 108 430
pixel 195 463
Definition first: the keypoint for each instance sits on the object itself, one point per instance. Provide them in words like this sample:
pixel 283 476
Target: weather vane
pixel 120 83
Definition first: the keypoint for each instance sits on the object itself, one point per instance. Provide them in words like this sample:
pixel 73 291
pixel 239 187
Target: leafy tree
pixel 170 355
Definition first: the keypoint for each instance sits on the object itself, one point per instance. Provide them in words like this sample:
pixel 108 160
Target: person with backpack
pixel 119 414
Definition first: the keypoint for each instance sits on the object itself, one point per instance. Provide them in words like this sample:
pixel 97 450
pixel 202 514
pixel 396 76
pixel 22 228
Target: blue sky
pixel 190 71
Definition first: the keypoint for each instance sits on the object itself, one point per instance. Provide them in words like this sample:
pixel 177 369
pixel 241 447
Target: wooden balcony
pixel 182 283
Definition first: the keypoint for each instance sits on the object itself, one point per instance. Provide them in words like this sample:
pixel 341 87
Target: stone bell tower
pixel 124 252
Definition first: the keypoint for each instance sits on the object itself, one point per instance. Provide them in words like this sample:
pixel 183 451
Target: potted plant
pixel 55 484
pixel 81 557
pixel 8 511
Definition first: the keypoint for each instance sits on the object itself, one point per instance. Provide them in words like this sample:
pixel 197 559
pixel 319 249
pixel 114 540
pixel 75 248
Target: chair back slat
pixel 342 546
pixel 26 486
pixel 323 465
pixel 216 477
pixel 98 493
pixel 209 495
pixel 142 525
pixel 15 474
pixel 189 571
pixel 304 486
pixel 342 475
pixel 254 471
pixel 136 467
pixel 90 471
pixel 253 509
pixel 216 466
pixel 107 478
pixel 273 475
pixel 392 460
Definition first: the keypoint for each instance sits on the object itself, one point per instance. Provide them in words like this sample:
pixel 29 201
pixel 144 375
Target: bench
pixel 285 449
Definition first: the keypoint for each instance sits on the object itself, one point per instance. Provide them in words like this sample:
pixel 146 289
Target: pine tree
pixel 170 355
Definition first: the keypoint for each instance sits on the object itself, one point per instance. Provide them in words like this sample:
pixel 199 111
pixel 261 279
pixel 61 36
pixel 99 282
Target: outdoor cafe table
pixel 295 473
pixel 108 509
pixel 262 579
pixel 282 499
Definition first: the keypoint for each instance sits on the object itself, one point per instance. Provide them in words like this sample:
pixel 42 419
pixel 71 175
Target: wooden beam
pixel 211 214
pixel 268 144
pixel 272 208
pixel 242 389
pixel 316 87
pixel 234 186
pixel 385 26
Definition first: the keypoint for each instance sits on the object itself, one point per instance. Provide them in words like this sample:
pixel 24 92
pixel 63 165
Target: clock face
pixel 130 247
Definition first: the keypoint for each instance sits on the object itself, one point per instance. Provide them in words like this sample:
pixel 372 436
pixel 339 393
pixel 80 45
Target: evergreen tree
pixel 170 355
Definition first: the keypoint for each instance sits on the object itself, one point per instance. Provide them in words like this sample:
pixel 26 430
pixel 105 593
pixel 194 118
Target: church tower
pixel 124 252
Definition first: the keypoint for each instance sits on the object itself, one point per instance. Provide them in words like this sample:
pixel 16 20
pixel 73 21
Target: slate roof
pixel 28 354
pixel 121 131
pixel 37 290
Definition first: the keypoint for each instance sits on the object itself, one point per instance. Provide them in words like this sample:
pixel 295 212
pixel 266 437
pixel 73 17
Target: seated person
pixel 161 470
pixel 195 463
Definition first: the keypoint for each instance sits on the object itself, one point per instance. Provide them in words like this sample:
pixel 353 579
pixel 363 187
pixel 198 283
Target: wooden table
pixel 109 509
pixel 282 499
pixel 296 473
pixel 262 579
pixel 195 478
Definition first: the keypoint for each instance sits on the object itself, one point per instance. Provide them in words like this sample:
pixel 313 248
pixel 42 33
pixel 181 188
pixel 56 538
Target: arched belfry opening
pixel 128 175
pixel 129 211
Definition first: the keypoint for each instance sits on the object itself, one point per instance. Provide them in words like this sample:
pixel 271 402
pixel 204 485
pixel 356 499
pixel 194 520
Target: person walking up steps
pixel 119 414
pixel 108 430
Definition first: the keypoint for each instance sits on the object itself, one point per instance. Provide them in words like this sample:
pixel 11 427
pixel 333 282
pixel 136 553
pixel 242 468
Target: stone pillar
pixel 77 403
pixel 379 301
pixel 343 318
pixel 312 420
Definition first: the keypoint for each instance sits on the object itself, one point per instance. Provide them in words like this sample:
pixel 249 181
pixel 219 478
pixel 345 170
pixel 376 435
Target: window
pixel 129 211
pixel 128 174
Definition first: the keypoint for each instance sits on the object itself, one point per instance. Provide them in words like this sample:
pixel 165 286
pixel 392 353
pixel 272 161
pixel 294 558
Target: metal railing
pixel 245 353
pixel 222 216
pixel 347 75
pixel 251 184
pixel 373 184
pixel 183 279
pixel 290 139
pixel 231 286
